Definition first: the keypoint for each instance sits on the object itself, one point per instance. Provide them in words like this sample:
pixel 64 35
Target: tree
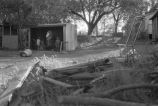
pixel 153 2
pixel 14 11
pixel 134 9
pixel 130 8
pixel 117 16
pixel 91 11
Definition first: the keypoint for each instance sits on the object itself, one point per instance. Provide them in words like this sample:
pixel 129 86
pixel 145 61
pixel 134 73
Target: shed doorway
pixel 40 33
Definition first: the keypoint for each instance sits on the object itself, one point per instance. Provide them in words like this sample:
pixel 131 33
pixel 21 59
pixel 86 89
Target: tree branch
pixel 83 10
pixel 79 15
pixel 94 16
pixel 102 14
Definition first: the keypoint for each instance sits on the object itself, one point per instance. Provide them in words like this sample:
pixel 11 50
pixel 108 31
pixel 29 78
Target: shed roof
pixel 154 15
pixel 51 25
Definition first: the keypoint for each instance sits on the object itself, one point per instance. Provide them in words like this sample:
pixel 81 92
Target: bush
pixel 82 39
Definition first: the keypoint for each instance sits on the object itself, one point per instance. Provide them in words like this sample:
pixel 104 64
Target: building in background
pixel 28 35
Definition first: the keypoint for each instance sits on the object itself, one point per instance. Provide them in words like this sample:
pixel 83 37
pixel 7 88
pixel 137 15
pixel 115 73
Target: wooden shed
pixel 148 24
pixel 8 36
pixel 66 32
pixel 154 19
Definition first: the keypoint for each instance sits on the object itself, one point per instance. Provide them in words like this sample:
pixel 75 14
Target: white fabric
pixel 38 42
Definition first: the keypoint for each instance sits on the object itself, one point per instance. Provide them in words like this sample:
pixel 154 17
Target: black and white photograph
pixel 78 52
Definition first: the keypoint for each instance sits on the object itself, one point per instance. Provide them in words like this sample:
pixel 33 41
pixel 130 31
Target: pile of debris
pixel 72 85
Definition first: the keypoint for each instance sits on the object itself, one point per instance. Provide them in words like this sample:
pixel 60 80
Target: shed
pixel 154 19
pixel 8 36
pixel 66 32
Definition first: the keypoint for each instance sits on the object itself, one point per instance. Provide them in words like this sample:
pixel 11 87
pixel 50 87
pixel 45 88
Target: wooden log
pixel 79 91
pixel 92 76
pixel 83 76
pixel 85 89
pixel 122 88
pixel 104 74
pixel 81 67
pixel 72 71
pixel 59 83
pixel 96 101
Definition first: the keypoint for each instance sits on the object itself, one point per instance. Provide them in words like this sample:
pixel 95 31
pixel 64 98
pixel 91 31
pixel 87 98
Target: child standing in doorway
pixel 38 42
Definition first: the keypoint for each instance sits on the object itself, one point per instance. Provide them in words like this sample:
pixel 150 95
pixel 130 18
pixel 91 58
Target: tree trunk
pixel 116 27
pixel 90 28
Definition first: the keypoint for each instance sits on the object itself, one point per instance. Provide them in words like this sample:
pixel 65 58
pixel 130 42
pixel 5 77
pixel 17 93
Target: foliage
pixel 91 11
pixel 82 39
pixel 140 7
pixel 48 11
pixel 14 11
pixel 128 11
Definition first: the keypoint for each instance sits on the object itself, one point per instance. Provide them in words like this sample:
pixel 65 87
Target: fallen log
pixel 72 71
pixel 96 101
pixel 59 83
pixel 82 67
pixel 104 74
pixel 113 91
pixel 68 86
pixel 95 76
pixel 85 89
pixel 83 76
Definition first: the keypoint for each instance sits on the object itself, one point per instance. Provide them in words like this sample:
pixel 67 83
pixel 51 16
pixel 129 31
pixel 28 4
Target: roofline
pixel 155 13
pixel 52 25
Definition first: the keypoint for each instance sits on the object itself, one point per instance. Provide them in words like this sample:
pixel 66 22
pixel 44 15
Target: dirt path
pixel 11 57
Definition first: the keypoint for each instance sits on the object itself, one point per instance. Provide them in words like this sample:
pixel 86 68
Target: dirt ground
pixel 80 55
pixel 75 57
pixel 13 56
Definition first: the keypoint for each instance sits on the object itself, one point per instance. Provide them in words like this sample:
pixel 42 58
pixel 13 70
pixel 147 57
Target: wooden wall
pixel 155 27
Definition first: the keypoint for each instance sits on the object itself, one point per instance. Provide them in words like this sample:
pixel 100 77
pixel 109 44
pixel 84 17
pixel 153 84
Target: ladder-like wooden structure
pixel 130 42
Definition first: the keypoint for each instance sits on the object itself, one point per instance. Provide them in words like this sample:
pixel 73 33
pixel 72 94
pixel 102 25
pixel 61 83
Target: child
pixel 38 42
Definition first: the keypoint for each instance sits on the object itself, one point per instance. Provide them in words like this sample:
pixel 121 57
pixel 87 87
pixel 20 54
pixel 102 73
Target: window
pixel 14 30
pixel 7 30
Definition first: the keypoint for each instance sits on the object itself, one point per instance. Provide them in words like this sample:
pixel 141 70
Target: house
pixel 151 22
pixel 66 32
pixel 154 19
pixel 148 24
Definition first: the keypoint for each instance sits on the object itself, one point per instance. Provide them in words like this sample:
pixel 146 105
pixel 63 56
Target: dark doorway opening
pixel 40 32
pixel 150 36
pixel 0 36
